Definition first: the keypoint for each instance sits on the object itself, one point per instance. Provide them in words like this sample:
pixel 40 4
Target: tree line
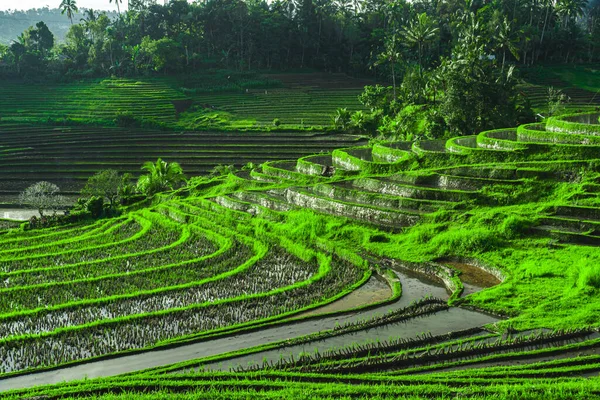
pixel 448 68
pixel 335 35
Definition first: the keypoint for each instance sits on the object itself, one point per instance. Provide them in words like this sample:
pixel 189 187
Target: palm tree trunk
pixel 394 78
pixel 545 23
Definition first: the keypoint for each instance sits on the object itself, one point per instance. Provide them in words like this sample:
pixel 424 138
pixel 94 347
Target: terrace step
pixel 286 170
pixel 385 217
pixel 451 182
pixel 392 187
pixel 264 199
pixel 526 351
pixel 578 212
pixel 346 193
pixel 320 165
pixel 572 225
pixel 429 146
pixel 567 236
pixel 260 177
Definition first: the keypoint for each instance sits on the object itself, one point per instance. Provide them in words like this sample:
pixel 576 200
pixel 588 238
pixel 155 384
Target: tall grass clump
pixel 584 275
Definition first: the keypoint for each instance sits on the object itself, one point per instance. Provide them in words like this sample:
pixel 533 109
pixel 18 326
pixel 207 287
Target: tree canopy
pixel 323 34
pixel 42 196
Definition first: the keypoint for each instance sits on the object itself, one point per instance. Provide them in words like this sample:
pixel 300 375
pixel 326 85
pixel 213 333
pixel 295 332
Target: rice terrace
pixel 235 199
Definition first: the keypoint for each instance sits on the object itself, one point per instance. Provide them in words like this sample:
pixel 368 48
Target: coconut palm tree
pixel 69 7
pixel 570 10
pixel 117 3
pixel 419 33
pixel 160 176
pixel 392 56
pixel 506 40
pixel 89 16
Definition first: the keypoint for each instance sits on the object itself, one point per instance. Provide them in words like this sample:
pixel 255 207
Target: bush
pixel 95 206
pixel 341 119
pixel 182 105
pixel 222 170
pixel 276 122
pixel 126 120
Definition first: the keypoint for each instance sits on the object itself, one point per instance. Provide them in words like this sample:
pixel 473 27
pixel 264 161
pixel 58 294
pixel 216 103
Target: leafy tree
pixel 161 176
pixel 477 96
pixel 43 196
pixel 107 184
pixel 160 54
pixel 126 189
pixel 377 98
pixel 38 39
pixel 69 7
pixel 222 170
pixel 557 101
pixel 17 50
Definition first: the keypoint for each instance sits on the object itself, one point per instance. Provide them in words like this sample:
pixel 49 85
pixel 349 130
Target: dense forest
pixel 450 65
pixel 350 36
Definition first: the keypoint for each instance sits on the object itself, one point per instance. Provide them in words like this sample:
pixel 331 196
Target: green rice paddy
pixel 257 284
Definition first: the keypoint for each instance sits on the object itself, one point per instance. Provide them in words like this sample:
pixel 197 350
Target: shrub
pixel 222 170
pixel 126 120
pixel 341 119
pixel 276 122
pixel 95 206
pixel 182 105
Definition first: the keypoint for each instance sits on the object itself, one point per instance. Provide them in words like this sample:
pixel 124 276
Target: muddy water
pixel 413 288
pixel 474 279
pixel 17 214
pixel 437 324
pixel 374 291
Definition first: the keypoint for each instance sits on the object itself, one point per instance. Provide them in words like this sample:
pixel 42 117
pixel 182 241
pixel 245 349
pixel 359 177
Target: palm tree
pixel 70 7
pixel 160 176
pixel 570 9
pixel 506 40
pixel 89 16
pixel 390 55
pixel 549 9
pixel 420 32
pixel 117 3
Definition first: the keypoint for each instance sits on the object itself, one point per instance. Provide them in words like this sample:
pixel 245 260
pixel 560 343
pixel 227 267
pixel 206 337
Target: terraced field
pixel 466 268
pixel 94 101
pixel 216 103
pixel 68 156
pixel 302 100
pixel 579 84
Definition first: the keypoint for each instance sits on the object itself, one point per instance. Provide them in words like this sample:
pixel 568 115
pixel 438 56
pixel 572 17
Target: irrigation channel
pixel 413 288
